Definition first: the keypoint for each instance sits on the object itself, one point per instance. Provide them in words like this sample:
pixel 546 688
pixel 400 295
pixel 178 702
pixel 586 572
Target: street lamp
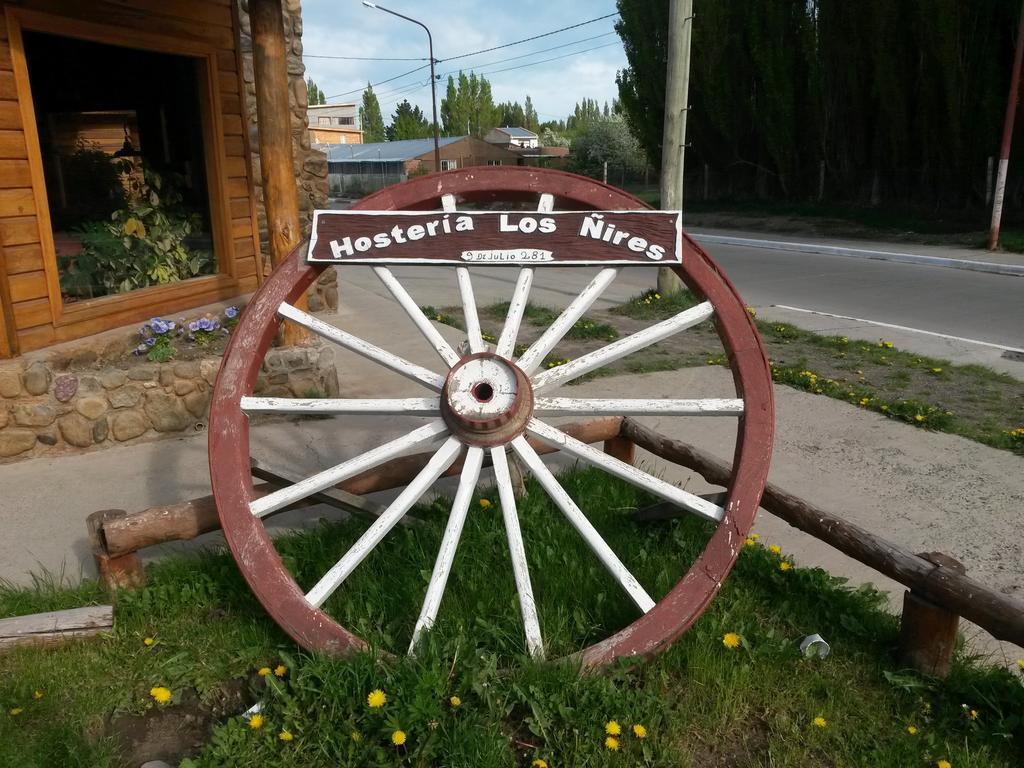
pixel 433 86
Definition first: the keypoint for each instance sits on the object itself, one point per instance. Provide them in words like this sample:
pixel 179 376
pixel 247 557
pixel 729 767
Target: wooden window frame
pixel 19 19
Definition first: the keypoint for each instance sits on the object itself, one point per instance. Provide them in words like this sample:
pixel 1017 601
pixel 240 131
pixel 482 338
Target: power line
pixel 358 58
pixel 528 39
pixel 545 61
pixel 534 53
pixel 371 85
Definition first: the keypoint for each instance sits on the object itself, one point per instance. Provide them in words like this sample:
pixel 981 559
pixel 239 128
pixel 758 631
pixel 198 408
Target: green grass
pixel 651 305
pixel 583 329
pixel 702 703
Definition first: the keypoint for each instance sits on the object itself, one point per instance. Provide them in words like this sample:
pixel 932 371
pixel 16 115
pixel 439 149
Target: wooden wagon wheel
pixel 485 405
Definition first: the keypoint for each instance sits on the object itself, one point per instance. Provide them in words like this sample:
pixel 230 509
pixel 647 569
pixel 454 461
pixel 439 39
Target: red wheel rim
pixel 252 546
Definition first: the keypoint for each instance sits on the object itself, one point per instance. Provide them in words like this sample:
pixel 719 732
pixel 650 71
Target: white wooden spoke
pixel 422 322
pixel 476 340
pixel 410 406
pixel 341 570
pixel 533 357
pixel 670 493
pixel 546 204
pixel 516 307
pixel 278 499
pixel 448 203
pixel 517 552
pixel 360 347
pixel 582 525
pixel 449 543
pixel 559 406
pixel 622 347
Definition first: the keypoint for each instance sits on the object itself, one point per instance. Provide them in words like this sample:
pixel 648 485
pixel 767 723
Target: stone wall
pixel 48 406
pixel 310 164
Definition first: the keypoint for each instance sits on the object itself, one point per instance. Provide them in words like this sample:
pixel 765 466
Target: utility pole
pixel 1004 152
pixel 673 135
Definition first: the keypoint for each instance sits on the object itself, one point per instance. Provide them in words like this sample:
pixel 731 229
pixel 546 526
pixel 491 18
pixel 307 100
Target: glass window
pixel 494 162
pixel 449 165
pixel 123 158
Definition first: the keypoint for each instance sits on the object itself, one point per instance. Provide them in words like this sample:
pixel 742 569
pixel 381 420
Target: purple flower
pixel 193 326
pixel 159 326
pixel 231 313
pixel 150 341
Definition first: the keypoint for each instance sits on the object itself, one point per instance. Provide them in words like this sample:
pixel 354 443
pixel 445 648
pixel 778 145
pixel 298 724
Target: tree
pixel 370 118
pixel 468 106
pixel 314 95
pixel 530 121
pixel 512 115
pixel 606 140
pixel 408 123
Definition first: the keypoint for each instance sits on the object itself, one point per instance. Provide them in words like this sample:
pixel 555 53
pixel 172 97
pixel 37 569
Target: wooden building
pixel 125 121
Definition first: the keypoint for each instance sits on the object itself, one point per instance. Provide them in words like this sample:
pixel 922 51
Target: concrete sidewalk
pixel 924 490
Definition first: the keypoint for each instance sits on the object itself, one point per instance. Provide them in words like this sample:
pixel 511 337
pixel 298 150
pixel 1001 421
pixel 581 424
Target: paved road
pixel 974 305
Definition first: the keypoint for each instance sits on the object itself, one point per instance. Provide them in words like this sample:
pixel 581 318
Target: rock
pixel 5 416
pixel 15 441
pixel 315 305
pixel 47 438
pixel 64 388
pixel 183 387
pixel 27 415
pixel 187 370
pixel 37 379
pixel 89 385
pixel 305 385
pixel 165 412
pixel 208 369
pixel 99 430
pixel 113 379
pixel 277 391
pixel 125 397
pixel 197 402
pixel 76 429
pixel 166 376
pixel 83 357
pixel 331 296
pixel 331 381
pixel 155 764
pixel 91 407
pixel 278 378
pixel 127 425
pixel 144 372
pixel 10 383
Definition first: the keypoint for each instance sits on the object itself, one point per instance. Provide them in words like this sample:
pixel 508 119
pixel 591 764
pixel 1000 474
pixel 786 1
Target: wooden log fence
pixel 940 590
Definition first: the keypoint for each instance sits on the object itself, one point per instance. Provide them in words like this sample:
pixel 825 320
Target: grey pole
pixel 433 84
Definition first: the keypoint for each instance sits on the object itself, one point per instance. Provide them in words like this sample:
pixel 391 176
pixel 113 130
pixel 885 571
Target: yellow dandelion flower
pixel 37 695
pixel 256 721
pixel 785 565
pixel 263 671
pixel 376 699
pixel 356 736
pixel 280 670
pixel 749 541
pixel 972 715
pixel 160 694
pixel 1020 664
pixel 943 764
pixel 819 721
pixel 612 743
pixel 639 731
pixel 775 549
pixel 755 536
pixel 147 641
pixel 657 295
pixel 936 370
pixel 731 640
pixel 918 417
pixel 285 735
pixel 485 503
pixel 538 763
pixel 612 728
pixel 912 730
pixel 398 738
pixel 15 711
pixel 455 701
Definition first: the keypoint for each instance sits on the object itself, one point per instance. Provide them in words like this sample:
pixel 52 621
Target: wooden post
pixel 114 571
pixel 280 193
pixel 620 448
pixel 927 631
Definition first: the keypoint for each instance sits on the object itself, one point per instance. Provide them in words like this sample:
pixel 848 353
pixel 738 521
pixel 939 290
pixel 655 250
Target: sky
pixel 347 28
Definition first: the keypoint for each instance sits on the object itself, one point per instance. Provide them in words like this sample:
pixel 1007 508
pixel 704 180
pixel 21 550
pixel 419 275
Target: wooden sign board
pixel 493 238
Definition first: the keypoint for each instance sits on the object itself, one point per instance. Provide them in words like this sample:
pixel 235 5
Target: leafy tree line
pixel 902 100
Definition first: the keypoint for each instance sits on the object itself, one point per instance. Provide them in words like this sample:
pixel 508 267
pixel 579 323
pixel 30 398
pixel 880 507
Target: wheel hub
pixel 486 400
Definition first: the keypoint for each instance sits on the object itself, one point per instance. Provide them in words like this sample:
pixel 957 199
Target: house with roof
pixel 357 169
pixel 334 124
pixel 512 137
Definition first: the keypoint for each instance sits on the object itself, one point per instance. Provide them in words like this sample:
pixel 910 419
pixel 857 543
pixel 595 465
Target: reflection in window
pixel 122 147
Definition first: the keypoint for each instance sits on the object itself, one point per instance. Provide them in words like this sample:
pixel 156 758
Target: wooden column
pixel 273 113
pixel 928 632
